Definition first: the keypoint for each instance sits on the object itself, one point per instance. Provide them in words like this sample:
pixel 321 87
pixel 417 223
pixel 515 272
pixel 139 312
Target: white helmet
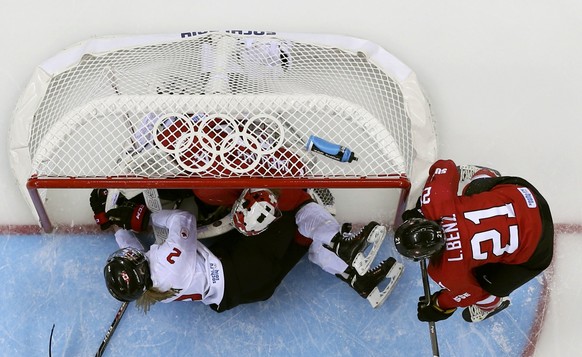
pixel 254 210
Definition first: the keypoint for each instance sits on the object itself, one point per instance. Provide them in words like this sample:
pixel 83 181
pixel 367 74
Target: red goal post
pixel 220 109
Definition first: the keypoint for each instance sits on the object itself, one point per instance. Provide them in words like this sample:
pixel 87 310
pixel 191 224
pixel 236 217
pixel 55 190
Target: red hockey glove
pixel 130 216
pixel 431 312
pixel 97 200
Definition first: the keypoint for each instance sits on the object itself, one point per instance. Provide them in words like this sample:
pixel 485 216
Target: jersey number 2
pixel 493 235
pixel 174 254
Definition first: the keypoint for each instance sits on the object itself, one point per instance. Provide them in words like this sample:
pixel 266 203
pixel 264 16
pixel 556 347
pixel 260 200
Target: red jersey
pixel 288 199
pixel 502 225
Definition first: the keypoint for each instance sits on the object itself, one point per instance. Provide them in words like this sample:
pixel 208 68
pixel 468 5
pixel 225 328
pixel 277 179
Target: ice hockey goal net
pixel 220 109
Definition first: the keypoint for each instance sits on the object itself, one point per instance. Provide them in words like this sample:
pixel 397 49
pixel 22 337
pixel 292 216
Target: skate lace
pixel 348 236
pixel 378 267
pixel 466 172
pixel 478 314
pixel 367 229
pixel 351 235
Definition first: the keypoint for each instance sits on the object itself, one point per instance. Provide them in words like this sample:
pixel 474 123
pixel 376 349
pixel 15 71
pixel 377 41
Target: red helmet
pixel 254 210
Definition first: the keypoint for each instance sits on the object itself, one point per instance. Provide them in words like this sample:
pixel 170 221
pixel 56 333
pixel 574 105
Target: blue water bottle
pixel 331 150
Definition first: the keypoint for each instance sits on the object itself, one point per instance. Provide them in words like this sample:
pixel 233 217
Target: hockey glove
pixel 431 312
pixel 130 216
pixel 414 212
pixel 97 200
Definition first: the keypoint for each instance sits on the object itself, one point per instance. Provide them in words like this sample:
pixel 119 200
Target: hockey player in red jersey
pixel 482 245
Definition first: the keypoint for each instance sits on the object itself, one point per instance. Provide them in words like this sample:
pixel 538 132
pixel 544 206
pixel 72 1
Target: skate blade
pixel 377 297
pixel 363 262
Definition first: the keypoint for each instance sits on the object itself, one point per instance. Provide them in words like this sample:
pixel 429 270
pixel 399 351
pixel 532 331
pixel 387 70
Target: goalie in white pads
pixel 253 213
pixel 338 253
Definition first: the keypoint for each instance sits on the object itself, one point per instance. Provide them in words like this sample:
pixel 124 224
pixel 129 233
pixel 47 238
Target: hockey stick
pixel 51 342
pixel 112 328
pixel 153 203
pixel 431 324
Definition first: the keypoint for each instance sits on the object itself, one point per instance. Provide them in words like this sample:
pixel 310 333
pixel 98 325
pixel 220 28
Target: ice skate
pixel 347 245
pixel 468 171
pixel 368 284
pixel 352 247
pixel 474 313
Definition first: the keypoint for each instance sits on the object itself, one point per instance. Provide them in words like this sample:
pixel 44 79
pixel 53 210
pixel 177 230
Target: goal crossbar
pixel 34 184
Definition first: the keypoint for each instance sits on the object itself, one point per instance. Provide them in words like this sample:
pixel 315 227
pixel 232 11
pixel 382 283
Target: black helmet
pixel 127 274
pixel 419 238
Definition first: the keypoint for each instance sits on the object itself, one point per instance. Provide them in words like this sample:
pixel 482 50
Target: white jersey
pixel 181 262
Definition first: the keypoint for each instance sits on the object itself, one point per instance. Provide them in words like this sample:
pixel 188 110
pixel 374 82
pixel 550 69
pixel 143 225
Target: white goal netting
pixel 220 105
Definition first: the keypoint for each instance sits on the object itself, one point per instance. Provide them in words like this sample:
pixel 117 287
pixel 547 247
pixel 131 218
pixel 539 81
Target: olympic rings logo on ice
pixel 201 142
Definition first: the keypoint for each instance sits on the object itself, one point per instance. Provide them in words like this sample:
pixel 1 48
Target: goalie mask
pixel 127 274
pixel 254 210
pixel 419 238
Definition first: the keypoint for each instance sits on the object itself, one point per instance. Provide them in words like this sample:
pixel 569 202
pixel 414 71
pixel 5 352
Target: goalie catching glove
pixel 431 312
pixel 130 215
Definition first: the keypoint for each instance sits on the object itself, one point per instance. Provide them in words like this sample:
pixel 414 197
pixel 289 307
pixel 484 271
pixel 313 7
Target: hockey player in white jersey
pixel 235 270
pixel 254 265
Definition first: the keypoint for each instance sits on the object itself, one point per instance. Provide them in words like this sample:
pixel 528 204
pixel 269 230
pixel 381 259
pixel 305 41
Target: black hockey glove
pixel 431 312
pixel 414 212
pixel 97 200
pixel 130 216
